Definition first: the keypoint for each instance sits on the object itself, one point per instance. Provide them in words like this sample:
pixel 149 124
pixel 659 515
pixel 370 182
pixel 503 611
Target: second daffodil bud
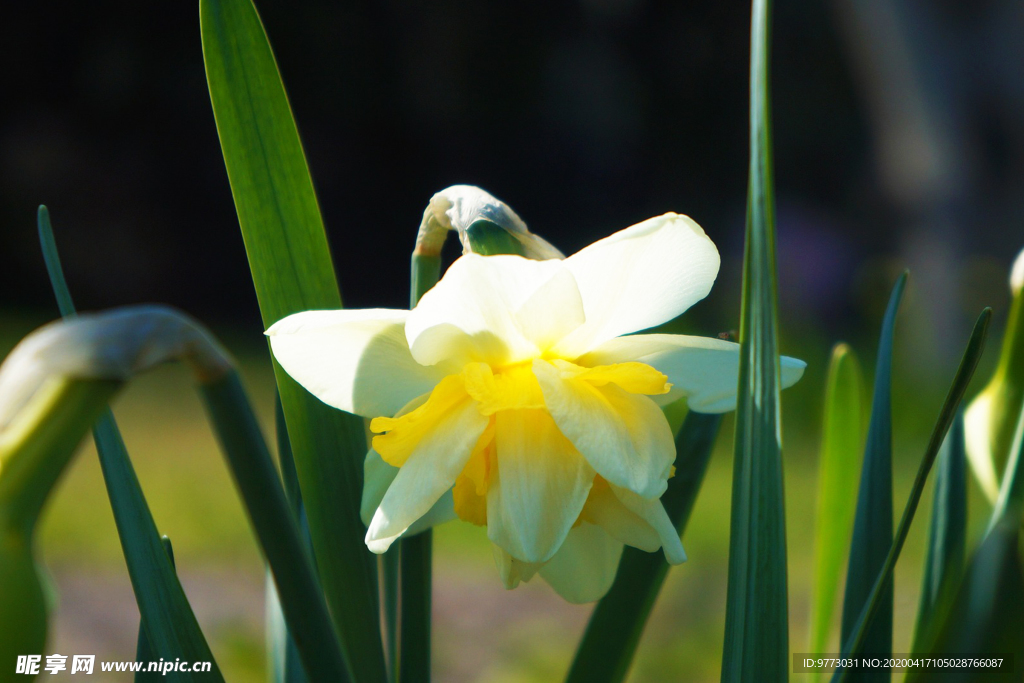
pixel 485 225
pixel 991 419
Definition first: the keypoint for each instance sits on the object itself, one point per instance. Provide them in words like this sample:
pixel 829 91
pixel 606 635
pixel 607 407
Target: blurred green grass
pixel 482 633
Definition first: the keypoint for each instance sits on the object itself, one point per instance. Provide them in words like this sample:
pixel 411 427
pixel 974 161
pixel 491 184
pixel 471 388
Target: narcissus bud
pixel 485 225
pixel 991 419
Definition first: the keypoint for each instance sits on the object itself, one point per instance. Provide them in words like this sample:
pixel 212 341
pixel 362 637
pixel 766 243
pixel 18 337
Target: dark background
pixel 899 136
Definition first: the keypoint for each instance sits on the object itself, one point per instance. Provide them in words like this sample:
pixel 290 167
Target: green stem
pixel 260 487
pixel 425 271
pixel 408 572
pixel 416 578
pixel 390 563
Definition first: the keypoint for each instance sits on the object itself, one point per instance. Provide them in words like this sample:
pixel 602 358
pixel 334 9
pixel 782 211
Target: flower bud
pixel 114 345
pixel 992 416
pixel 485 226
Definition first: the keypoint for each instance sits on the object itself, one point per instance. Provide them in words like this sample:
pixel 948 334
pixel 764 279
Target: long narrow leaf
pixel 171 628
pixel 274 522
pixel 986 621
pixel 143 650
pixel 757 617
pixel 840 460
pixel 1010 501
pixel 883 581
pixel 613 632
pixel 872 528
pixel 283 656
pixel 947 534
pixel 292 271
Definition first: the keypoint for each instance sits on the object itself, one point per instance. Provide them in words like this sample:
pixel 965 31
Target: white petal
pixel 427 475
pixel 703 369
pixel 608 512
pixel 978 440
pixel 552 312
pixel 511 570
pixel 640 277
pixel 625 437
pixel 377 477
pixel 471 314
pixel 355 360
pixel 584 567
pixel 1017 274
pixel 654 513
pixel 538 487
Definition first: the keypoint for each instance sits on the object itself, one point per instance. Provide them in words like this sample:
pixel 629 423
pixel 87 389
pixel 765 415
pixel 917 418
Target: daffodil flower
pixel 510 398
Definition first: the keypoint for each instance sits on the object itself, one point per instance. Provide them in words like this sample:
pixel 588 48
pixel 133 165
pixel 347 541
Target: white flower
pixel 510 396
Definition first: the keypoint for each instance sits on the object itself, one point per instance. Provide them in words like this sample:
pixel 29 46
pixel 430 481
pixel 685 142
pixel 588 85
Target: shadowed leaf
pixel 872 528
pixel 861 628
pixel 292 271
pixel 169 625
pixel 757 616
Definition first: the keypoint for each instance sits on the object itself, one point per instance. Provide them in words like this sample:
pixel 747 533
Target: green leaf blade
pixel 757 617
pixel 985 619
pixel 170 627
pixel 883 581
pixel 840 460
pixel 270 180
pixel 143 650
pixel 260 487
pixel 292 271
pixel 873 523
pixel 947 534
pixel 283 657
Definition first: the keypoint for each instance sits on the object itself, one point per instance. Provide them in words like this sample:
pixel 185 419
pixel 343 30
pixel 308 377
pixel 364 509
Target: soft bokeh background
pixel 899 143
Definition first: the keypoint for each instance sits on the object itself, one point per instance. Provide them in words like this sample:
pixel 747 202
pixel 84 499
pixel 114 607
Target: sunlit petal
pixel 377 477
pixel 654 513
pixel 511 570
pixel 355 360
pixel 640 277
pixel 978 432
pixel 703 369
pixel 624 436
pixel 539 487
pixel 604 509
pixel 475 308
pixel 427 474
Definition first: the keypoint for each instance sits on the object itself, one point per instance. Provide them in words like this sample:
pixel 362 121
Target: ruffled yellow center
pixel 513 387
